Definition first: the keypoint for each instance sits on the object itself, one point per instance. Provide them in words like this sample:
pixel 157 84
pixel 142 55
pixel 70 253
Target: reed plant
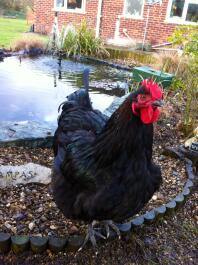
pixel 82 41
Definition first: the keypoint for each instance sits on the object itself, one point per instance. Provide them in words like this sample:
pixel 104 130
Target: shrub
pixel 82 41
pixel 28 42
pixel 186 82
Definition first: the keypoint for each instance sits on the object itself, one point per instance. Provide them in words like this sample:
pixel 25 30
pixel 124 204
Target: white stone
pixel 31 226
pixel 29 173
pixel 154 197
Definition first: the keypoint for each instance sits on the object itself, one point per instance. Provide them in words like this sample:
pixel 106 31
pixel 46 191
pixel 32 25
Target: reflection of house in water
pixel 119 22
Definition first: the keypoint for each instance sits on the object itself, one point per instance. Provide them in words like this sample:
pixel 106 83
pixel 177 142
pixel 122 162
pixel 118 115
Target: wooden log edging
pixel 19 244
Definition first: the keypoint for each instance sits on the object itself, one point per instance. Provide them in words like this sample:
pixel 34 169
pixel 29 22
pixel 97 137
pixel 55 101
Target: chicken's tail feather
pixel 80 97
pixel 86 78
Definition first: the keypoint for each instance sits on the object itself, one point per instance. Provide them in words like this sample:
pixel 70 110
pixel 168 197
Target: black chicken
pixel 103 168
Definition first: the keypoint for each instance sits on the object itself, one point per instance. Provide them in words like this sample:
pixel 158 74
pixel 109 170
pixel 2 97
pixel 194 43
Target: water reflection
pixel 32 89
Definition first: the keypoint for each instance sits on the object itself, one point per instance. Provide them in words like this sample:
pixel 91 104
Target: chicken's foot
pixel 91 235
pixel 94 231
pixel 110 224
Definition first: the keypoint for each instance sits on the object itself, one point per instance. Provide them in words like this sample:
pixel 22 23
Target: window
pixel 134 8
pixel 183 11
pixel 70 5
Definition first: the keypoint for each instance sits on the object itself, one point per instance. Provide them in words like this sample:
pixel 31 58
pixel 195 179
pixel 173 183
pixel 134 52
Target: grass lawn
pixel 10 30
pixel 14 29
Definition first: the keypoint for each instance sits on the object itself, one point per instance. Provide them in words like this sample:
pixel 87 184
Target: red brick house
pixel 117 21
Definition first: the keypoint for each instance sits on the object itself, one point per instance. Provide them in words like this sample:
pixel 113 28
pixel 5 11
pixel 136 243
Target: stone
pixel 154 197
pixel 53 227
pixel 43 218
pixel 38 244
pixel 19 216
pixel 5 241
pixel 74 230
pixel 31 226
pixel 20 244
pixel 29 173
pixel 40 210
pixel 26 133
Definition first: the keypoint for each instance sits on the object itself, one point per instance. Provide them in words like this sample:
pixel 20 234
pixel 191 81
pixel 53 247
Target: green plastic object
pixel 145 72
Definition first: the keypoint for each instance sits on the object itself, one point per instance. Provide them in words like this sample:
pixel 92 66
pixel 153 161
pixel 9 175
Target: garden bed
pixel 30 210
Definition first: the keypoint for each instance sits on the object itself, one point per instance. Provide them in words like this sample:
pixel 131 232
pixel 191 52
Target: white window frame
pixel 182 20
pixel 133 16
pixel 65 9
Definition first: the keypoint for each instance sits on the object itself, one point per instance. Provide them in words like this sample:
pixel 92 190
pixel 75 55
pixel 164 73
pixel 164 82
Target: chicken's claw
pixel 91 235
pixel 108 224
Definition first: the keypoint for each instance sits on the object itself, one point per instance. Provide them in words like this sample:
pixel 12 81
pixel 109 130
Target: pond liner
pixel 104 62
pixel 82 58
pixel 20 244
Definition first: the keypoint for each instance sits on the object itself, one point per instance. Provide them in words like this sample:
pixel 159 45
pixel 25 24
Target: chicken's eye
pixel 143 97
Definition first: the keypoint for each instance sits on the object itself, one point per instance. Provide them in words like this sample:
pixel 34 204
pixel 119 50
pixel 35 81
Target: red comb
pixel 153 88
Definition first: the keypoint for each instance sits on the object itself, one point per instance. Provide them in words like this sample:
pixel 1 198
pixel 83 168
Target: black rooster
pixel 103 169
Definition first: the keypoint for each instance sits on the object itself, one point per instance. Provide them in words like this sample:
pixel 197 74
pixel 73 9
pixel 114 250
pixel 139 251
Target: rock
pixel 162 158
pixel 20 228
pixel 40 210
pixel 175 173
pixel 148 241
pixel 10 227
pixel 73 230
pixel 154 198
pixel 43 218
pixel 29 173
pixel 19 216
pixel 31 226
pixel 53 227
pixel 22 194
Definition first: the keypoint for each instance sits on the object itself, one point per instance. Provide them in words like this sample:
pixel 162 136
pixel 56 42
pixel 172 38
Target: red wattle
pixel 149 115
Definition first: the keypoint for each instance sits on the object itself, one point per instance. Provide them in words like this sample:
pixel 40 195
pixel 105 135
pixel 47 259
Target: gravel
pixel 30 209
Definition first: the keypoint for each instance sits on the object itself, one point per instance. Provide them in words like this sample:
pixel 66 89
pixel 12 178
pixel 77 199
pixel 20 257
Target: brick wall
pixel 158 29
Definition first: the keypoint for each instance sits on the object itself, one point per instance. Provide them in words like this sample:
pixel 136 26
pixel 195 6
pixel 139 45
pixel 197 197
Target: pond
pixel 31 89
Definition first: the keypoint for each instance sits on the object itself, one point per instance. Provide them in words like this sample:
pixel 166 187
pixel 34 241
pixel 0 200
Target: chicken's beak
pixel 158 103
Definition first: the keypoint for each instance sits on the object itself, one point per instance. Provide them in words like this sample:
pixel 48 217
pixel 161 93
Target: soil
pixel 30 209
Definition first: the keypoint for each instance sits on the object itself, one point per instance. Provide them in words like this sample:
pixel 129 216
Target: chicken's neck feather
pixel 123 133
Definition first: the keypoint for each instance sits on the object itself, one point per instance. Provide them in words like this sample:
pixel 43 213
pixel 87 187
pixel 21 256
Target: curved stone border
pixel 19 244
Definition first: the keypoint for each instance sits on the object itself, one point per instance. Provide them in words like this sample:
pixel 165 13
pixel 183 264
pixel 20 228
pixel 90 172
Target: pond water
pixel 33 88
